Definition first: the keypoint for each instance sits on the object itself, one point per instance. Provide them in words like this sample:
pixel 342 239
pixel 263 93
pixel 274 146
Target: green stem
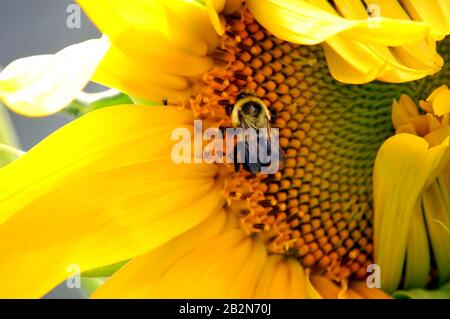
pixel 8 137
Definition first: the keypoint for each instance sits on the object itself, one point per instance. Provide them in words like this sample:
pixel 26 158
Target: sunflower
pixel 104 189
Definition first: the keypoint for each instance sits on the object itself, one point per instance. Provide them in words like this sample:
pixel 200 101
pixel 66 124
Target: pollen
pixel 318 207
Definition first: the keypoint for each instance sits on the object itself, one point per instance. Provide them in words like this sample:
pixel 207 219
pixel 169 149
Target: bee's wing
pixel 263 146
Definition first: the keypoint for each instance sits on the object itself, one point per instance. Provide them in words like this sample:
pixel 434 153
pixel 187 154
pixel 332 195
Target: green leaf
pixel 442 293
pixel 89 285
pixel 140 101
pixel 88 102
pixel 105 271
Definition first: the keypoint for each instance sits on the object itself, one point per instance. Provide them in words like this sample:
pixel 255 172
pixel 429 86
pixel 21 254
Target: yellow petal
pixel 44 84
pixel 101 190
pixel 281 278
pixel 437 91
pixel 310 289
pixel 132 281
pixel 306 23
pixel 351 9
pixel 403 110
pixel 325 287
pixel 407 128
pixel 232 6
pixel 354 62
pixel 348 293
pixel 437 136
pixel 369 293
pixel 172 37
pixel 121 72
pixel 440 99
pixel 433 123
pixel 346 64
pixel 180 22
pixel 444 184
pixel 226 266
pixel 192 17
pixel 214 8
pixel 420 55
pixel 418 258
pixel 437 212
pixel 416 55
pixel 436 13
pixel 357 51
pixel 404 167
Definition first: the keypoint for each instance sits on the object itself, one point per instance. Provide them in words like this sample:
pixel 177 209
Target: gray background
pixel 29 27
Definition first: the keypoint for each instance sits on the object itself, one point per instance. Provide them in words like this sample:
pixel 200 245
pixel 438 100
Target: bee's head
pixel 249 107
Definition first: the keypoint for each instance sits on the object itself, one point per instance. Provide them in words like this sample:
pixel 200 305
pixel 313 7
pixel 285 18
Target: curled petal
pixel 302 22
pixel 359 48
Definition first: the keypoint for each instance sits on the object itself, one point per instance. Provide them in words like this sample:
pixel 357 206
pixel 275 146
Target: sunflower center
pixel 318 207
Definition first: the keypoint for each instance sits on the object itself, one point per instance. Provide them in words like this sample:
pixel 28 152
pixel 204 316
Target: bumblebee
pixel 250 112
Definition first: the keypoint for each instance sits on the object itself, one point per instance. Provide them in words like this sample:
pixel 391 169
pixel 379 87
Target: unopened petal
pixel 437 213
pixel 404 167
pixel 403 110
pixel 417 252
pixel 44 84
